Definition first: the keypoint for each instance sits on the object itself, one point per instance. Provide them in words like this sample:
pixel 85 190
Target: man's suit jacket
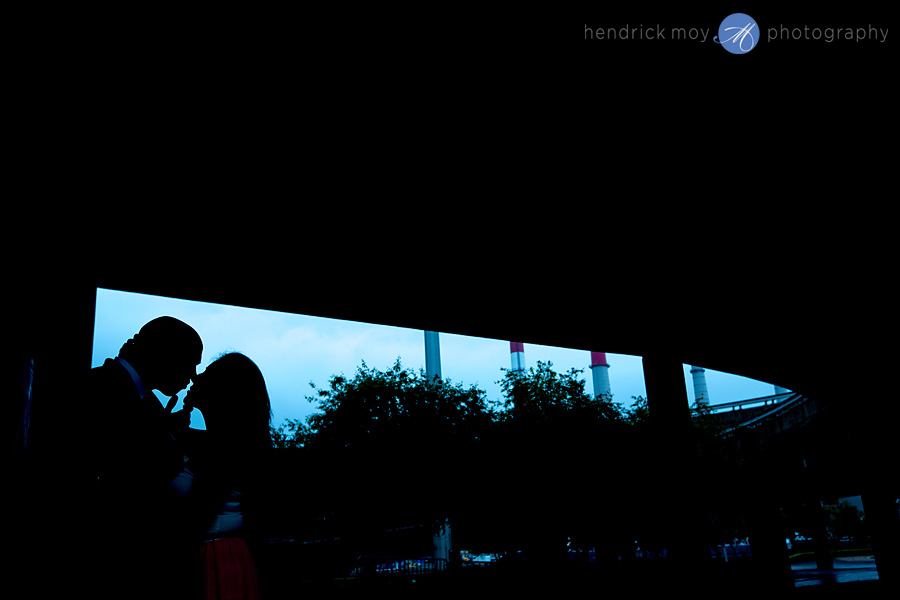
pixel 137 538
pixel 134 457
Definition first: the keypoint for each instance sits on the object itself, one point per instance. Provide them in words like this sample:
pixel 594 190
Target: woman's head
pixel 231 393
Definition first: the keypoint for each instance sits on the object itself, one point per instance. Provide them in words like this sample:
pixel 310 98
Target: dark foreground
pixel 575 581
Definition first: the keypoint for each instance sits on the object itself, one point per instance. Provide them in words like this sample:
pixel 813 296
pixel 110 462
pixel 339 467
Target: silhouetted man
pixel 135 457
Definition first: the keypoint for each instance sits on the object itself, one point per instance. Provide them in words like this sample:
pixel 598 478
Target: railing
pixel 777 411
pixel 748 403
pixel 367 566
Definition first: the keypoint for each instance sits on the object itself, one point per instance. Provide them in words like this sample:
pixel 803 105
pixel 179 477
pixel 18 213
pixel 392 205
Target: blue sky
pixel 293 350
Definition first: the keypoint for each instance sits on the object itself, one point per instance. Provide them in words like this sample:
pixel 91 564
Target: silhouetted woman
pixel 220 476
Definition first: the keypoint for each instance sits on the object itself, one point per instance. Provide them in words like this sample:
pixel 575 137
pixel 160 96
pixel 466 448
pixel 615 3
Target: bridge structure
pixel 765 415
pixel 805 452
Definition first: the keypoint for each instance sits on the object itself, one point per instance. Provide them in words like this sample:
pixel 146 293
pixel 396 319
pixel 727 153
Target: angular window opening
pixel 294 351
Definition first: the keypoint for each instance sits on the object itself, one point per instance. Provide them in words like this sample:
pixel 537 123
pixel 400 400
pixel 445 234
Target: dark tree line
pixel 547 471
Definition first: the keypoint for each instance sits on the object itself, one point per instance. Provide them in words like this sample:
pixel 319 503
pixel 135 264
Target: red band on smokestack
pixel 516 347
pixel 598 359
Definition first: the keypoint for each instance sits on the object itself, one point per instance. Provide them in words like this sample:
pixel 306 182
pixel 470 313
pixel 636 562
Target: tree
pixel 293 433
pixel 565 463
pixel 847 521
pixel 541 395
pixel 389 449
pixel 398 407
pixel 639 412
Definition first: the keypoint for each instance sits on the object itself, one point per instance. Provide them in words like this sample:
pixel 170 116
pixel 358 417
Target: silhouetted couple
pixel 171 501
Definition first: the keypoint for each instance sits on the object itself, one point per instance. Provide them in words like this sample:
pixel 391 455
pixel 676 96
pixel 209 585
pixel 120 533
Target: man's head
pixel 165 353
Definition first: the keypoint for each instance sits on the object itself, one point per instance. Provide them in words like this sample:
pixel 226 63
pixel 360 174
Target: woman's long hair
pixel 240 410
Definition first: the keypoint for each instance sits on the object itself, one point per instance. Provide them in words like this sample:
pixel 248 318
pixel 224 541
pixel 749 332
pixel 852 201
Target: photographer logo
pixel 738 33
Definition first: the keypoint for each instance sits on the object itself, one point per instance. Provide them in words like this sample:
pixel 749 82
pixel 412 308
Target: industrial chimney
pixel 701 394
pixel 517 356
pixel 442 540
pixel 600 372
pixel 432 355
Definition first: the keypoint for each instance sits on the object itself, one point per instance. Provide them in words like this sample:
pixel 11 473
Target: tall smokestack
pixel 517 356
pixel 701 394
pixel 442 540
pixel 432 355
pixel 600 372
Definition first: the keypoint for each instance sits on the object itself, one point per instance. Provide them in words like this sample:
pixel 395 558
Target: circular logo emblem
pixel 738 33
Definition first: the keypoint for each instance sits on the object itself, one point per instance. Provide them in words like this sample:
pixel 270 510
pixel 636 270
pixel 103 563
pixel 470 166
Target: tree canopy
pixel 546 466
pixel 408 410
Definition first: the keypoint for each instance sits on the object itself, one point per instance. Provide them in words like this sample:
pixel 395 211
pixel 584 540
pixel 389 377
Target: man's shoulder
pixel 109 375
pixel 108 364
pixel 108 367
